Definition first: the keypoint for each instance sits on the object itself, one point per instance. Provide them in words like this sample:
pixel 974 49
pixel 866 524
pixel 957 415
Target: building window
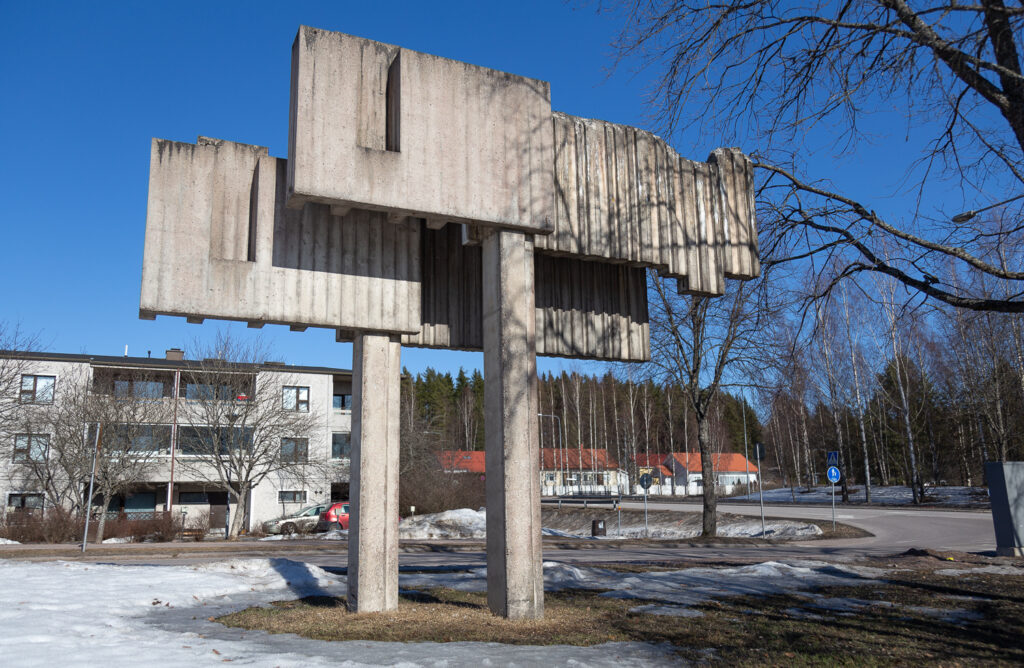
pixel 138 389
pixel 30 447
pixel 341 445
pixel 589 478
pixel 189 498
pixel 342 402
pixel 37 389
pixel 291 496
pixel 295 450
pixel 549 478
pixel 25 501
pixel 295 398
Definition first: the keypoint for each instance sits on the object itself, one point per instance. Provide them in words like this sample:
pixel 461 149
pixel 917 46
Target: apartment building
pixel 294 421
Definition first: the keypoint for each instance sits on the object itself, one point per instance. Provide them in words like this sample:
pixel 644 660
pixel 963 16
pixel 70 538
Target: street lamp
pixel 968 215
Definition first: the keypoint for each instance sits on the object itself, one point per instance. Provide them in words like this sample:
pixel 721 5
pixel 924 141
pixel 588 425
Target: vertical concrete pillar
pixel 515 581
pixel 373 523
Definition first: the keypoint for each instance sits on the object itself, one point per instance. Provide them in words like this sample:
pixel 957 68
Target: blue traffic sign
pixel 833 474
pixel 832 458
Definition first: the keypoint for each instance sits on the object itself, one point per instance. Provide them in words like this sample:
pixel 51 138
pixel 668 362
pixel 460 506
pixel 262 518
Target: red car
pixel 335 517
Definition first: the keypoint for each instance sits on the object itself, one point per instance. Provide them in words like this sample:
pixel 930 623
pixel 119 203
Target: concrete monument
pixel 428 202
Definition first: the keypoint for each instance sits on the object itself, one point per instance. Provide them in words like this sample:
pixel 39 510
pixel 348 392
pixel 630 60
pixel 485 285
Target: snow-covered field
pixel 897 495
pixel 60 613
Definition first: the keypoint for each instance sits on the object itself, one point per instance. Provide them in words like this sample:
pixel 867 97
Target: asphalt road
pixel 894 529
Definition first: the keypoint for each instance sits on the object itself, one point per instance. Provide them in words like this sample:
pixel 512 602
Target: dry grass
pixel 775 630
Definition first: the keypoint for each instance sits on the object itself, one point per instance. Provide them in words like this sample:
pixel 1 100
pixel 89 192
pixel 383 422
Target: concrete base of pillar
pixel 373 498
pixel 515 580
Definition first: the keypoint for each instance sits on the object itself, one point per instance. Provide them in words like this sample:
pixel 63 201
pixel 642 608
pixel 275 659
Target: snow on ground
pixel 674 591
pixel 466 523
pixel 898 495
pixel 7 541
pixel 69 614
pixel 333 534
pixel 119 539
pixel 462 523
pixel 991 570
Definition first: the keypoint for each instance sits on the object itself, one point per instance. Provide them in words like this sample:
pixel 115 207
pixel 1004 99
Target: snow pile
pixel 85 614
pixel 333 534
pixel 8 541
pixel 462 523
pixel 466 523
pixel 120 539
pixel 894 495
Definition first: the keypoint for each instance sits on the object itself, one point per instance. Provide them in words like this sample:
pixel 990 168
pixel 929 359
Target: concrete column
pixel 515 581
pixel 373 522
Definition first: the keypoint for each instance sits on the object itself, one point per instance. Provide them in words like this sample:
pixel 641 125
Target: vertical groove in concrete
pixel 575 317
pixel 515 581
pixel 624 195
pixel 373 493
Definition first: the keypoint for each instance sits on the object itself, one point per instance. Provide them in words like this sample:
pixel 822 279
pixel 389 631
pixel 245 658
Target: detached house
pixel 680 473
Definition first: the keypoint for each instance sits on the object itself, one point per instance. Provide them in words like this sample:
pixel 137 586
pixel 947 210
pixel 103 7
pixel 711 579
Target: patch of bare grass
pixel 915 617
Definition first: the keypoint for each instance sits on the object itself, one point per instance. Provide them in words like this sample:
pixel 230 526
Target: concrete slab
pixel 380 127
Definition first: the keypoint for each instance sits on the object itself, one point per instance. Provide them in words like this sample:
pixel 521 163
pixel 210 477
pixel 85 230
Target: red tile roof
pixel 459 461
pixel 727 462
pixel 552 459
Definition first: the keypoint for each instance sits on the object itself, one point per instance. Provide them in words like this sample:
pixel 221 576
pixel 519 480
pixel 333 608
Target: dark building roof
pixel 160 362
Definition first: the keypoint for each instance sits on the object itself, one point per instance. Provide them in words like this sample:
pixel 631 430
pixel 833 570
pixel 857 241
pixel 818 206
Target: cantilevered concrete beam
pixel 515 581
pixel 373 523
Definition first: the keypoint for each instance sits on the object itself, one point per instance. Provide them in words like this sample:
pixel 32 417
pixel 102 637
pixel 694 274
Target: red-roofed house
pixel 462 461
pixel 681 471
pixel 560 471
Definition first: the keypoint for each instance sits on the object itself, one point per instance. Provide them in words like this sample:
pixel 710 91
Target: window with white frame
pixel 291 496
pixel 30 447
pixel 295 450
pixel 549 478
pixel 37 389
pixel 341 445
pixel 295 398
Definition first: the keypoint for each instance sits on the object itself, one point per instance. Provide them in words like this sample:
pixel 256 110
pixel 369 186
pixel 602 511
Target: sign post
pixel 833 476
pixel 645 482
pixel 758 456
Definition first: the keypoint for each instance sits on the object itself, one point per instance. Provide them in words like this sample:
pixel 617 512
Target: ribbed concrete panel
pixel 624 195
pixel 379 127
pixel 591 310
pixel 220 243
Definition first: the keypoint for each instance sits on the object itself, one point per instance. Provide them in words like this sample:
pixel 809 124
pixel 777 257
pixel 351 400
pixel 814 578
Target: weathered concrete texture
pixel 373 526
pixel 592 310
pixel 1006 490
pixel 515 581
pixel 623 194
pixel 380 127
pixel 220 243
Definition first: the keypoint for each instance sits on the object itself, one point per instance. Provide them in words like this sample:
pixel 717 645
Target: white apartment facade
pixel 176 478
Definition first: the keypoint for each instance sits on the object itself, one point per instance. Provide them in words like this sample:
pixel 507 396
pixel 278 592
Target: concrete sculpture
pixel 428 202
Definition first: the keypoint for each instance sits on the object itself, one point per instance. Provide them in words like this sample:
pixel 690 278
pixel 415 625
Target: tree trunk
pixel 710 516
pixel 102 523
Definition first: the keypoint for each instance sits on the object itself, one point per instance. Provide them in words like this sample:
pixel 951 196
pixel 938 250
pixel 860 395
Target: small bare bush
pixel 55 526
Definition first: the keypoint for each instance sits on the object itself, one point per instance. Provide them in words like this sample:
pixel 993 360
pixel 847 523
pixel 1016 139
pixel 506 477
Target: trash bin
pixel 597 528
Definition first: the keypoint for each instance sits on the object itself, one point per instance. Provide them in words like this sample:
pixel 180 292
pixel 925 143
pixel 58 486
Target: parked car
pixel 302 521
pixel 334 517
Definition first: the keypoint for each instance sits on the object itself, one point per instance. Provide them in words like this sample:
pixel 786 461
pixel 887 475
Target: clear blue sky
pixel 84 86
